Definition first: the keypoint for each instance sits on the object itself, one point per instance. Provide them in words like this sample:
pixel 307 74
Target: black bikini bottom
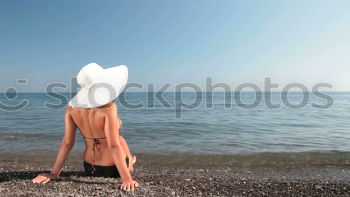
pixel 103 171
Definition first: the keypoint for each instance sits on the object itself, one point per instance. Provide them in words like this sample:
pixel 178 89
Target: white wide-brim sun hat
pixel 99 86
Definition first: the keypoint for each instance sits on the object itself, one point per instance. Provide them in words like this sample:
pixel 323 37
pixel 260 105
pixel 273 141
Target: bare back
pixel 91 123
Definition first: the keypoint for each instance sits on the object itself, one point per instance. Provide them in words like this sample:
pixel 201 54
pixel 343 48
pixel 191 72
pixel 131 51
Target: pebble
pixel 318 187
pixel 163 181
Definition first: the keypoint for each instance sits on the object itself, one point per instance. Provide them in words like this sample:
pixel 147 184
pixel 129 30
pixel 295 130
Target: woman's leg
pixel 126 149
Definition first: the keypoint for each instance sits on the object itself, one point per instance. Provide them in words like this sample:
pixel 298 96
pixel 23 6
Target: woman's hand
pixel 129 185
pixel 44 178
pixel 120 123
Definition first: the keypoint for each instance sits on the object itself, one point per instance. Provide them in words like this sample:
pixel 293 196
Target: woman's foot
pixel 132 161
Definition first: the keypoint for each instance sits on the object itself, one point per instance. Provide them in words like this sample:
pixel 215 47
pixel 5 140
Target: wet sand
pixel 178 177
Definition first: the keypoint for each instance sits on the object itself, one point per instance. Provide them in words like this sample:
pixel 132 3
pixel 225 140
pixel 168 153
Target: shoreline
pixel 265 159
pixel 177 176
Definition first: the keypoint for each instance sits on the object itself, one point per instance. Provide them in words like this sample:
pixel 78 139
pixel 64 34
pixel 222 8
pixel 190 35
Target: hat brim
pixel 112 82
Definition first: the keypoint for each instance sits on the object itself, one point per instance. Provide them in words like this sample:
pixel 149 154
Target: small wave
pixel 259 159
pixel 15 136
pixel 209 160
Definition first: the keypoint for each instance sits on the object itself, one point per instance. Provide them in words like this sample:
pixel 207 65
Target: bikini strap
pixel 95 143
pixel 98 138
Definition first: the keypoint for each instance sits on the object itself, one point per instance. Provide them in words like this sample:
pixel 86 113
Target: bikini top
pixel 95 144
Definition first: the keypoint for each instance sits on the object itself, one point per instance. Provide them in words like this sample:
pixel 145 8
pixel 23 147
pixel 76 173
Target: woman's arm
pixel 125 145
pixel 66 146
pixel 112 126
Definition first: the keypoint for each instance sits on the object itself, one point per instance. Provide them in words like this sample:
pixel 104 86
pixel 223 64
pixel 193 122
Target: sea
pixel 198 123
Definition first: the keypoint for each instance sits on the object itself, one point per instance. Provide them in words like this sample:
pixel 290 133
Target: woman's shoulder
pixel 111 106
pixel 109 110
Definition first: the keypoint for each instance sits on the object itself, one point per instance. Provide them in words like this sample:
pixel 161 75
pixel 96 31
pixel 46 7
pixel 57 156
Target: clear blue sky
pixel 164 41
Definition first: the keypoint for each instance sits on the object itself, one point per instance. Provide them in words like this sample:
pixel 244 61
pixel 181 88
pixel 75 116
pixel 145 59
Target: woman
pixel 93 111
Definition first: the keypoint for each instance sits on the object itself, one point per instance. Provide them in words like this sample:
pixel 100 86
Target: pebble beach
pixel 180 178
